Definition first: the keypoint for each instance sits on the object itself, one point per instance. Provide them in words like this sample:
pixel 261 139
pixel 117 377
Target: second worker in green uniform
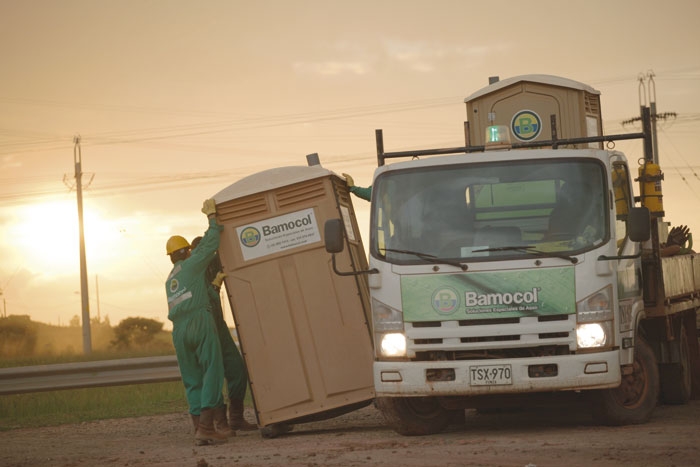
pixel 234 367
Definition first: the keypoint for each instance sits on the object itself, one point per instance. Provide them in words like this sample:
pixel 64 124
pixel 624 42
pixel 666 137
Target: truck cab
pixel 503 272
pixel 515 264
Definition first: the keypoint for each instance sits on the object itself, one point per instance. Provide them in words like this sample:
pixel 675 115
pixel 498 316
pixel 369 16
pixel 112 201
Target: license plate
pixel 490 375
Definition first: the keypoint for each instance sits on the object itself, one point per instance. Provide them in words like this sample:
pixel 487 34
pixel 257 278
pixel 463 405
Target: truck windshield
pixel 482 212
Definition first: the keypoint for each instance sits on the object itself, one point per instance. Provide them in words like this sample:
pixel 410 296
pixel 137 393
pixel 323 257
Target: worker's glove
pixel 349 180
pixel 219 279
pixel 209 207
pixel 678 236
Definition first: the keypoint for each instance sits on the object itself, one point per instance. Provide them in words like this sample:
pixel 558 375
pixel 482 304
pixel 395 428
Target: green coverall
pixel 362 193
pixel 234 368
pixel 194 331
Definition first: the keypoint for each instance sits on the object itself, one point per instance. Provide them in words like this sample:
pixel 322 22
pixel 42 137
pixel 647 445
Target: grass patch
pixel 53 408
pixel 64 406
pixel 81 405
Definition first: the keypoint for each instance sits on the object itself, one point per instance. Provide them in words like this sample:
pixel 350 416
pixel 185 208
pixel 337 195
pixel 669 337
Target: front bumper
pixel 573 372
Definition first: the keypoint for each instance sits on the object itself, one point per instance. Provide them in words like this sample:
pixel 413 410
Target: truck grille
pixel 492 338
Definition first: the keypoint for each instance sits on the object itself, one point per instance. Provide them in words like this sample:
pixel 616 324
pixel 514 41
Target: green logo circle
pixel 445 301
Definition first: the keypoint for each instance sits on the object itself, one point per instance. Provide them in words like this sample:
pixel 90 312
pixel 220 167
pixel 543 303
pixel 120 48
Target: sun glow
pixel 47 235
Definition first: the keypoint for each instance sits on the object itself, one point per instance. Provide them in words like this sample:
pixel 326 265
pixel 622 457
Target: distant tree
pixel 18 335
pixel 75 321
pixel 135 332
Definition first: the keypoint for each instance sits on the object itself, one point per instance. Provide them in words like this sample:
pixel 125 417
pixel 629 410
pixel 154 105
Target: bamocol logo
pixel 174 284
pixel 290 226
pixel 250 236
pixel 526 125
pixel 445 301
pixel 515 298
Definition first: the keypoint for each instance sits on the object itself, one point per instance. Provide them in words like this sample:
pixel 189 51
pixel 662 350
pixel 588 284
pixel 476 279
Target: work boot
pixel 220 422
pixel 235 416
pixel 206 434
pixel 195 421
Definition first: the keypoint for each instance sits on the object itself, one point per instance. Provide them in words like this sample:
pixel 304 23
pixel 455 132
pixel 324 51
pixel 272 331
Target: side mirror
pixel 333 233
pixel 639 224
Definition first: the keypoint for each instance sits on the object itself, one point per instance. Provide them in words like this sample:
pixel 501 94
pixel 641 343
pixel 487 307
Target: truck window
pixel 623 202
pixel 459 211
pixel 515 199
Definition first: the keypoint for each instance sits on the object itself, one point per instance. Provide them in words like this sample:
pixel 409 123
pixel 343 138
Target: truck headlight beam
pixel 393 345
pixel 590 335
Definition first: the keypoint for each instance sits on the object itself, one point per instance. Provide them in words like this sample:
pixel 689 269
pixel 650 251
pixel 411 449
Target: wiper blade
pixel 429 258
pixel 530 249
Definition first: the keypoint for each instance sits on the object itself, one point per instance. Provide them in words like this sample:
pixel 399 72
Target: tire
pixel 414 416
pixel 676 378
pixel 637 396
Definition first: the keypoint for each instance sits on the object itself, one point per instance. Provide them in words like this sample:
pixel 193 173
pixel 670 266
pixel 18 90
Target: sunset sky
pixel 175 100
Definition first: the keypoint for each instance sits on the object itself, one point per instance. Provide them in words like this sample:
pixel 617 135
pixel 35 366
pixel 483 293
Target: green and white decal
pixel 486 295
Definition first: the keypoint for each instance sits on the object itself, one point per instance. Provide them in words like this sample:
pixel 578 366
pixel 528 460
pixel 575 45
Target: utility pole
pixel 647 90
pixel 97 295
pixel 3 288
pixel 652 109
pixel 87 340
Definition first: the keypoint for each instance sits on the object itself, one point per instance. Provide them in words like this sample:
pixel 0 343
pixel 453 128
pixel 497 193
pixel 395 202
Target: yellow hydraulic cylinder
pixel 650 177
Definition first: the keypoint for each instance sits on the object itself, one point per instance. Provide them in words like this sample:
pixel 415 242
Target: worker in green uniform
pixel 361 192
pixel 234 367
pixel 194 331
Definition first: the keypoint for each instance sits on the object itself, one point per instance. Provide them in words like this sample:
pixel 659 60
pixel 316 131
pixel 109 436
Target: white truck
pixel 523 263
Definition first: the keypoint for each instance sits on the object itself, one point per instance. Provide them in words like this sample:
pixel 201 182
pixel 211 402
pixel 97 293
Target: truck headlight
pixel 590 335
pixel 393 344
pixel 594 320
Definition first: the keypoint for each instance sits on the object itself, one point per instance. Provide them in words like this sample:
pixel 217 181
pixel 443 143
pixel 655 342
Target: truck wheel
pixel 414 416
pixel 635 399
pixel 676 378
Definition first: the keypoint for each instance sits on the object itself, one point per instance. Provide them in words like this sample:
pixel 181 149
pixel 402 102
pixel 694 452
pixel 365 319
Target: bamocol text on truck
pixel 523 263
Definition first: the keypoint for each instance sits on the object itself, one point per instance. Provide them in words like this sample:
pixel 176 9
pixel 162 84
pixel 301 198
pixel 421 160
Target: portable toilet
pixel 528 104
pixel 303 330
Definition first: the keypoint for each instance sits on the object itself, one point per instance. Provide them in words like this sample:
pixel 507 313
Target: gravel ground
pixel 533 437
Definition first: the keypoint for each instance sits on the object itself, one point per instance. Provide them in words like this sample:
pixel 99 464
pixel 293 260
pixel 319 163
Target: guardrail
pixel 39 378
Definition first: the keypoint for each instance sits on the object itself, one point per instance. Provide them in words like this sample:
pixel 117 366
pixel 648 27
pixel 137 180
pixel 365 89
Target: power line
pixel 50 143
pixel 240 124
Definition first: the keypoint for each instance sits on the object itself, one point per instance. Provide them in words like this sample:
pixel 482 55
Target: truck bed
pixel 679 289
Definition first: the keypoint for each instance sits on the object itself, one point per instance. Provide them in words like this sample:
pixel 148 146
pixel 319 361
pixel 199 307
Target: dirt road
pixel 534 437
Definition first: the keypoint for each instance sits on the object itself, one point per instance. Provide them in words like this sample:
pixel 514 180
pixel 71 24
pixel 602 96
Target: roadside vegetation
pixel 25 343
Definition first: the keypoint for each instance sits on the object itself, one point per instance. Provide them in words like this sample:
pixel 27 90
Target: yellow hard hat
pixel 175 243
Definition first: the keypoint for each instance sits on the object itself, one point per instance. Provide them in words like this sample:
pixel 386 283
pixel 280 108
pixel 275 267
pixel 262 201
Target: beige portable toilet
pixel 526 105
pixel 302 329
